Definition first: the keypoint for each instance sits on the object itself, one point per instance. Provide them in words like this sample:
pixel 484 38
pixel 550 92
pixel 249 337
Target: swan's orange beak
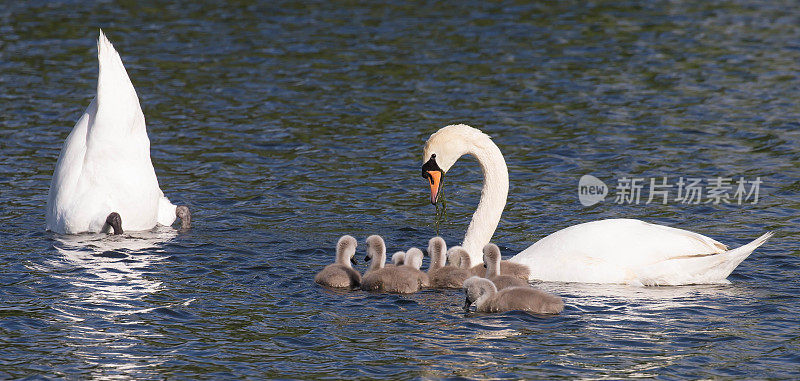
pixel 435 178
pixel 434 174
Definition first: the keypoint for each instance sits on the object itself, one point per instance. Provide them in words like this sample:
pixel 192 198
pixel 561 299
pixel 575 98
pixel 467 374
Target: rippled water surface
pixel 284 126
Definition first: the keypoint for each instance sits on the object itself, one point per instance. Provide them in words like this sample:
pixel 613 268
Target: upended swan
pixel 483 293
pixel 440 274
pixel 104 179
pixel 340 273
pixel 623 251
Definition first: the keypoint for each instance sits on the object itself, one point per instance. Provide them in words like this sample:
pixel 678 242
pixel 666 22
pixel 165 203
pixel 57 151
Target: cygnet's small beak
pixel 367 258
pixel 467 304
pixel 353 260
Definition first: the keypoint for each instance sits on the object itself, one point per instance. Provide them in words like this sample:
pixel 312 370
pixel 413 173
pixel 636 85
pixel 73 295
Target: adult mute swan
pixel 607 251
pixel 104 179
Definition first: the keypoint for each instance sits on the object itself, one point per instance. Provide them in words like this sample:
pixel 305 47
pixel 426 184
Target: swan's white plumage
pixel 631 251
pixel 104 165
pixel 606 251
pixel 454 141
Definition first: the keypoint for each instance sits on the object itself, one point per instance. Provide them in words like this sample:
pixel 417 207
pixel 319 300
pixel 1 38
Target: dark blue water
pixel 284 126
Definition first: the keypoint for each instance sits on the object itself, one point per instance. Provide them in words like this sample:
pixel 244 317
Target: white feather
pixel 104 165
pixel 607 251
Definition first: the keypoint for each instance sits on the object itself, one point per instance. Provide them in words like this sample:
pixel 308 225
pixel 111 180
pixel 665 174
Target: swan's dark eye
pixel 434 174
pixel 430 165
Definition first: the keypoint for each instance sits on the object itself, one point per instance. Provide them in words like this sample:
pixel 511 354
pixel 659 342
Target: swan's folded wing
pixel 628 241
pixel 713 246
pixel 610 251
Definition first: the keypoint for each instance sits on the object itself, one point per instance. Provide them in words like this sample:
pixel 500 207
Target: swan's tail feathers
pixel 114 88
pixel 166 212
pixel 699 269
pixel 110 62
pixel 742 252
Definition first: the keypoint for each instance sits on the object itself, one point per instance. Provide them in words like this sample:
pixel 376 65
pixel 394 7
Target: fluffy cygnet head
pixel 458 257
pixel 346 250
pixel 491 259
pixel 397 258
pixel 376 251
pixel 436 249
pixel 413 258
pixel 476 288
pixel 453 258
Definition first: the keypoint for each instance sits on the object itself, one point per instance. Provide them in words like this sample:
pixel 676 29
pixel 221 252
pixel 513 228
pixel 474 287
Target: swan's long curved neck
pixel 493 197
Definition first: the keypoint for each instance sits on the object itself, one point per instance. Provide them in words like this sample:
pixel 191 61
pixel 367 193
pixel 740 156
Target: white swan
pixel 104 178
pixel 606 251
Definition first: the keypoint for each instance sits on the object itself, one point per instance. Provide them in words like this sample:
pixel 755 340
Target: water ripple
pixel 285 125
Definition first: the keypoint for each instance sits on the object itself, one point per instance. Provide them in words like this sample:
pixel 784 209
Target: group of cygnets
pixel 493 286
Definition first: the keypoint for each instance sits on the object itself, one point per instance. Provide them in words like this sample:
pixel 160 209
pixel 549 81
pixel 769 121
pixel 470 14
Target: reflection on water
pixel 108 284
pixel 655 297
pixel 130 241
pixel 286 125
pixel 107 271
pixel 641 323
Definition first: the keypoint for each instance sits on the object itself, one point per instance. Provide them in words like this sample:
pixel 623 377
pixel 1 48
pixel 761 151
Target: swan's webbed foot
pixel 183 213
pixel 115 221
